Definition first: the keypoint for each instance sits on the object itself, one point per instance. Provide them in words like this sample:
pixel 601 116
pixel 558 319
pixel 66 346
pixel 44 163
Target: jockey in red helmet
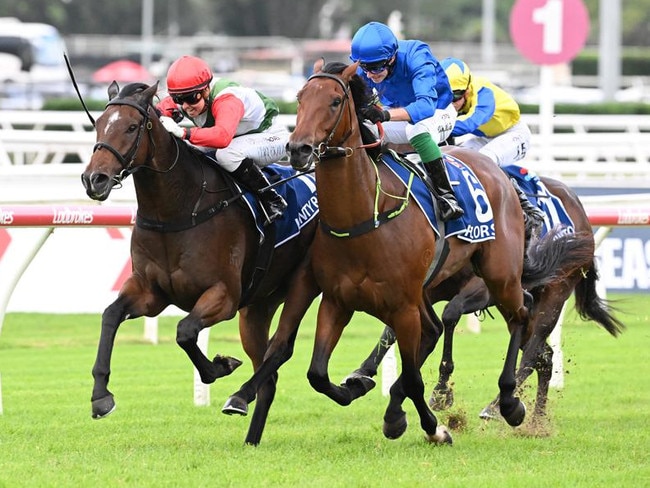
pixel 238 123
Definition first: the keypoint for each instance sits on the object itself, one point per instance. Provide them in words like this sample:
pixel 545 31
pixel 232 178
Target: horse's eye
pixel 132 128
pixel 337 102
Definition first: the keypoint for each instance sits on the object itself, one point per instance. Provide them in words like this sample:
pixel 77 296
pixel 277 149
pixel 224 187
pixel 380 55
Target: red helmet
pixel 188 74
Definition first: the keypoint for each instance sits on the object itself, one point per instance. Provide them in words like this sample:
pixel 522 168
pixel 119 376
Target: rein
pixel 325 151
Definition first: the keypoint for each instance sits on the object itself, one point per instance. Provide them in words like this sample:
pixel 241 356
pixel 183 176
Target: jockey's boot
pixel 533 216
pixel 251 177
pixel 447 203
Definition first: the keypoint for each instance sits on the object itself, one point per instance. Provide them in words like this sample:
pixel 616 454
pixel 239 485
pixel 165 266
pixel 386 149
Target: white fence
pixel 611 148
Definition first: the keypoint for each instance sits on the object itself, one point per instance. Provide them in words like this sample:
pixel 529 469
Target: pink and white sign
pixel 549 32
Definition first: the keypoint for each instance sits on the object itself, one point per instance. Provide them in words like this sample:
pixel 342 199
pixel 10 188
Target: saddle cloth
pixel 300 195
pixel 554 212
pixel 477 224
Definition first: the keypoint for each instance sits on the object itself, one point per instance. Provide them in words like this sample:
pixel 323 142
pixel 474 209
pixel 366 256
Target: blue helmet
pixel 372 43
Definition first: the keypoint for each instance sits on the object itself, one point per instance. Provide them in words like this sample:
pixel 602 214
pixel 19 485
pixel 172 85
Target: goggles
pixel 458 94
pixel 190 98
pixel 376 67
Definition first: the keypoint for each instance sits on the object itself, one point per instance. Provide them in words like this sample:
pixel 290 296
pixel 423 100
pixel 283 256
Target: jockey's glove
pixel 172 127
pixel 375 114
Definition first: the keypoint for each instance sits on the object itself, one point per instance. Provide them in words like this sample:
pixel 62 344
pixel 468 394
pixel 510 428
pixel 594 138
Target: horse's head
pixel 326 115
pixel 125 138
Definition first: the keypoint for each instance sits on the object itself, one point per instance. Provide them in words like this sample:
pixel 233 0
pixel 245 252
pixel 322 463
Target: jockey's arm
pixel 228 111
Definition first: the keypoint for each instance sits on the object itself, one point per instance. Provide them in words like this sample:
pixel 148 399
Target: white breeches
pixel 506 148
pixel 263 148
pixel 439 126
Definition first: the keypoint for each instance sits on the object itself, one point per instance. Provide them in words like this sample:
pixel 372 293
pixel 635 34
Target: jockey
pixel 416 100
pixel 235 121
pixel 491 118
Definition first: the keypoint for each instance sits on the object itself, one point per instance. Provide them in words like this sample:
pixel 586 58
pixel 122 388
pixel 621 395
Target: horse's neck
pixel 346 188
pixel 171 187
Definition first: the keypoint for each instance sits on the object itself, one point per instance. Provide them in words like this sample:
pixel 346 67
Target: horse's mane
pixel 132 89
pixel 362 97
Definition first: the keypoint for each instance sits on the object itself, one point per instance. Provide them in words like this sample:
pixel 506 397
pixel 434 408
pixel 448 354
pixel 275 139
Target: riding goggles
pixel 190 98
pixel 458 94
pixel 376 67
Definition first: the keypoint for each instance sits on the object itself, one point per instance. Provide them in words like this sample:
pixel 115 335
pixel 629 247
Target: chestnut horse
pixel 467 293
pixel 374 249
pixel 194 245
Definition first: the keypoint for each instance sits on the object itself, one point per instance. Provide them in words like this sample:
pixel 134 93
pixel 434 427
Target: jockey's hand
pixel 172 127
pixel 375 114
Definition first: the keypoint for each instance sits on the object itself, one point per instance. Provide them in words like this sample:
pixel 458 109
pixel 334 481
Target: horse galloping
pixel 467 293
pixel 374 249
pixel 195 245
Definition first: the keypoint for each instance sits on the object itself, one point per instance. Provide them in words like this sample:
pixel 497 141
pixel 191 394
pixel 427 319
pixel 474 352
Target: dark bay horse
pixel 467 293
pixel 374 249
pixel 195 245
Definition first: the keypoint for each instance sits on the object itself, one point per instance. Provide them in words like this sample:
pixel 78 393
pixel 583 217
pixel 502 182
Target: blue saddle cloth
pixel 554 212
pixel 477 224
pixel 300 195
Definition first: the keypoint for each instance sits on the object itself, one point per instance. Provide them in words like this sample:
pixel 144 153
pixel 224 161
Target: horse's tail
pixel 555 255
pixel 591 307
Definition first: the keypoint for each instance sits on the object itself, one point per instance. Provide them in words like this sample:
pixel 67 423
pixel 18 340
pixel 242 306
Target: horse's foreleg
pixel 301 294
pixel 414 348
pixel 132 302
pixel 331 321
pixel 102 399
pixel 214 306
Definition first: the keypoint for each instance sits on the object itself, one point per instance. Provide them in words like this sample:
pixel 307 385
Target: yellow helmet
pixel 458 74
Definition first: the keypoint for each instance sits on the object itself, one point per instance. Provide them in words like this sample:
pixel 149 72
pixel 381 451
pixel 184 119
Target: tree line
pixel 432 20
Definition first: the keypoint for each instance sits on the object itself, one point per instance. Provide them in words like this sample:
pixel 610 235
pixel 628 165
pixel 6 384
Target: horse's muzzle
pixel 301 156
pixel 98 185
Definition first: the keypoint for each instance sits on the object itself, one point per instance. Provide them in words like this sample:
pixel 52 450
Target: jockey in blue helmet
pixel 416 100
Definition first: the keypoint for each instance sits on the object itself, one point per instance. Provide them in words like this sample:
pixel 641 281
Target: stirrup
pixel 449 209
pixel 273 208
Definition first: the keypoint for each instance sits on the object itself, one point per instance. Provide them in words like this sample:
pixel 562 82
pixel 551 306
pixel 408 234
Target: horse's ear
pixel 150 92
pixel 113 90
pixel 318 65
pixel 350 71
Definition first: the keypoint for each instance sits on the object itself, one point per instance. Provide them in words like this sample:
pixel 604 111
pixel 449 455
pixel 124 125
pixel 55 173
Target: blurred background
pixel 280 39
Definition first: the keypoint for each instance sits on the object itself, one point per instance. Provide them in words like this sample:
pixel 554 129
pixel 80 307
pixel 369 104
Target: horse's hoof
pixel 442 436
pixel 489 413
pixel 441 400
pixel 394 430
pixel 359 385
pixel 103 407
pixel 516 416
pixel 235 406
pixel 356 374
pixel 225 365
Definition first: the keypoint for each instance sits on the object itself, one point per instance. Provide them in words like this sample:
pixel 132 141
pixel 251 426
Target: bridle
pixel 127 160
pixel 324 150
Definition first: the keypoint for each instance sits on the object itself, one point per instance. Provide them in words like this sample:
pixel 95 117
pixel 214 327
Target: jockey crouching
pixel 235 121
pixel 416 101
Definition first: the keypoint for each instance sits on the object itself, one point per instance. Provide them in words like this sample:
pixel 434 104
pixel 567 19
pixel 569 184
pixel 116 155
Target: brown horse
pixel 467 293
pixel 374 249
pixel 195 245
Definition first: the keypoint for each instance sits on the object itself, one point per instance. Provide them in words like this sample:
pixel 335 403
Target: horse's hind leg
pixel 474 296
pixel 371 364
